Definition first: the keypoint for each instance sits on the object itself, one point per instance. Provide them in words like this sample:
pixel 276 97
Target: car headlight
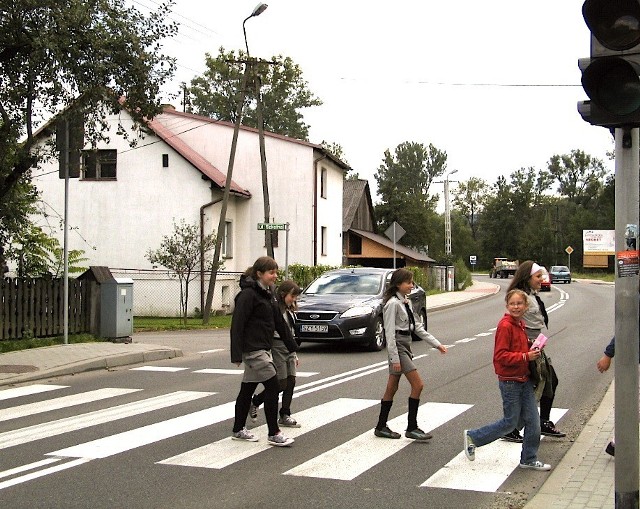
pixel 357 311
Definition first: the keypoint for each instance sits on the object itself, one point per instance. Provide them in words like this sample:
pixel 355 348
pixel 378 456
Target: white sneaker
pixel 469 446
pixel 244 434
pixel 279 440
pixel 288 422
pixel 536 465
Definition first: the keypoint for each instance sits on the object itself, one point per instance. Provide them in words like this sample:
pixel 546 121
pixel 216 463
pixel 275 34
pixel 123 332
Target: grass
pixel 25 344
pixel 152 323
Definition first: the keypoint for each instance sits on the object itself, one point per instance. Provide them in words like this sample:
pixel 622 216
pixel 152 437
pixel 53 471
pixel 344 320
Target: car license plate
pixel 314 328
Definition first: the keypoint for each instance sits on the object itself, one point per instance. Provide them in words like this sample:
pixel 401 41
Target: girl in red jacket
pixel 511 356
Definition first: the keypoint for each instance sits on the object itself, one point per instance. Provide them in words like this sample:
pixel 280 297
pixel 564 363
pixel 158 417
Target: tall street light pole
pixel 268 239
pixel 232 156
pixel 447 215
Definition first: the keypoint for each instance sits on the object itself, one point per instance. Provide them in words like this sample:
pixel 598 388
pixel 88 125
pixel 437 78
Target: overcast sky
pixel 494 84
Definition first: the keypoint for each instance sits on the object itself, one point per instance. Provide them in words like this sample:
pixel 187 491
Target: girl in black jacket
pixel 255 318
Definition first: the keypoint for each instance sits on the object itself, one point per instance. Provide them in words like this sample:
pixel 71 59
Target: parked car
pixel 345 306
pixel 560 274
pixel 546 281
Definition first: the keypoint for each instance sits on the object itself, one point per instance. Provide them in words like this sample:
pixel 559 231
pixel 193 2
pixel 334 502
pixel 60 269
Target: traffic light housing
pixel 611 77
pixel 70 138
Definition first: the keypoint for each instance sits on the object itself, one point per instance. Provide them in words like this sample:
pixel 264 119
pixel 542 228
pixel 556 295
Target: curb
pixel 103 362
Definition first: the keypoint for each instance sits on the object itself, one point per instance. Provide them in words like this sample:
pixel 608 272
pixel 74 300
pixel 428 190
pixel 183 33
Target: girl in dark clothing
pixel 285 361
pixel 255 318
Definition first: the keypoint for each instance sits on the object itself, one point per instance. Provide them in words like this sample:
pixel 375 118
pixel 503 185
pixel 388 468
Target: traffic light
pixel 611 77
pixel 70 136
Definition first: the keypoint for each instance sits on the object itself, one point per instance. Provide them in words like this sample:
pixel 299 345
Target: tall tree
pixel 284 92
pixel 404 179
pixel 469 199
pixel 579 176
pixel 99 55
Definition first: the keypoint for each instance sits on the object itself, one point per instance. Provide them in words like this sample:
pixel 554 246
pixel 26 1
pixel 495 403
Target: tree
pixel 39 255
pixel 98 55
pixel 469 199
pixel 283 92
pixel 404 179
pixel 579 176
pixel 182 252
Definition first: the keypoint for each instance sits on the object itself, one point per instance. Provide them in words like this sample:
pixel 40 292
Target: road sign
pixel 395 232
pixel 568 250
pixel 272 226
pixel 472 258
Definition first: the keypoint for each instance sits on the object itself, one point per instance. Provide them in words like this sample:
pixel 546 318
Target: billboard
pixel 601 242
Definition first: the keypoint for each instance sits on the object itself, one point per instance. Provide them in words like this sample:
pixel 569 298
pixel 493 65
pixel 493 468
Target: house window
pixel 227 240
pixel 99 164
pixel 323 182
pixel 323 240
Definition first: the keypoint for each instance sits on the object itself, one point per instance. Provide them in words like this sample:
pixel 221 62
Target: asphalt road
pixel 159 436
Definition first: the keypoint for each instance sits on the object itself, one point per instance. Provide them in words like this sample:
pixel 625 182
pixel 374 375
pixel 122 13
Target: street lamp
pixel 260 8
pixel 447 215
pixel 232 155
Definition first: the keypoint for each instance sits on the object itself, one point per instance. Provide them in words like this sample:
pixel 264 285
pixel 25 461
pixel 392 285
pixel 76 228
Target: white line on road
pixel 349 460
pixel 494 463
pixel 63 402
pixel 225 452
pixel 158 368
pixel 53 428
pixel 18 392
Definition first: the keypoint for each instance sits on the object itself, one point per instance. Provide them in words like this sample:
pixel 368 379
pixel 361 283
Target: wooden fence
pixel 35 307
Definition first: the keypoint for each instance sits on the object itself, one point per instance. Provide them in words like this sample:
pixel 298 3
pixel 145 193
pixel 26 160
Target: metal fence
pixel 157 292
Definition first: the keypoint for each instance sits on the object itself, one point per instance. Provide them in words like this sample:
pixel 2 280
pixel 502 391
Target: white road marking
pixel 494 463
pixel 28 390
pixel 349 460
pixel 127 440
pixel 213 351
pixel 30 466
pixel 227 451
pixel 158 368
pixel 53 428
pixel 63 402
pixel 220 371
pixel 41 473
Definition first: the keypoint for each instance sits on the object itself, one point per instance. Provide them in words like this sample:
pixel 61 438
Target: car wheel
pixel 378 342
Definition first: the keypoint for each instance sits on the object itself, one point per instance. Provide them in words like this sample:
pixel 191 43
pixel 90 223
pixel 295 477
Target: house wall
pixel 290 180
pixel 116 222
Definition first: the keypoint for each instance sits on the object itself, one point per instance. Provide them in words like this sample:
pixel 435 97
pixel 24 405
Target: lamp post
pixel 447 215
pixel 232 155
pixel 268 240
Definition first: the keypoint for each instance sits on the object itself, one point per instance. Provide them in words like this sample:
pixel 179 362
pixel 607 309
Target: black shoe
pixel 385 433
pixel 418 435
pixel 611 449
pixel 514 436
pixel 549 429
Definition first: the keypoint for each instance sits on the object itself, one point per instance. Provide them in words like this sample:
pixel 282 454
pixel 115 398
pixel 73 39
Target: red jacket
pixel 510 358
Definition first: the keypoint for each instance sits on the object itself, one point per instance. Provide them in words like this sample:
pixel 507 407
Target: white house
pixel 127 199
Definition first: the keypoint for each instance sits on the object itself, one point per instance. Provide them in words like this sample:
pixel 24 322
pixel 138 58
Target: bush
pixel 462 275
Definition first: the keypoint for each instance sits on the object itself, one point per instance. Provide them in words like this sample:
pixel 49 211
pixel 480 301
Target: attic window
pixel 99 164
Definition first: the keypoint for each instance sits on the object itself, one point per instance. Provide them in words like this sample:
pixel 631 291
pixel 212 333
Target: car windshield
pixel 559 268
pixel 346 284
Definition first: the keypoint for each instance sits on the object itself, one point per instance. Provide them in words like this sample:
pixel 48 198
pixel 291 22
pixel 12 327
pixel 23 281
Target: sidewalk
pixel 584 477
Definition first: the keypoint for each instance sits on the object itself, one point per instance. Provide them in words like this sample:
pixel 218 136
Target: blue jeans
pixel 520 408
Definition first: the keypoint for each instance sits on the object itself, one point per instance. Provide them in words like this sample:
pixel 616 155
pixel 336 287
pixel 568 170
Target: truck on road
pixel 503 268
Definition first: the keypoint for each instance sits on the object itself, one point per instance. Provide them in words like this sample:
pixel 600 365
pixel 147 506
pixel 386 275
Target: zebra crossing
pixel 360 453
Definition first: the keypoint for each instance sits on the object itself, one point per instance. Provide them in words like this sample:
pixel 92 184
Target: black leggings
pixel 286 387
pixel 546 402
pixel 243 401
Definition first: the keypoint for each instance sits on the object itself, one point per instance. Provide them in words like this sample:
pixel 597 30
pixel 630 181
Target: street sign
pixel 395 232
pixel 472 258
pixel 272 226
pixel 568 250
